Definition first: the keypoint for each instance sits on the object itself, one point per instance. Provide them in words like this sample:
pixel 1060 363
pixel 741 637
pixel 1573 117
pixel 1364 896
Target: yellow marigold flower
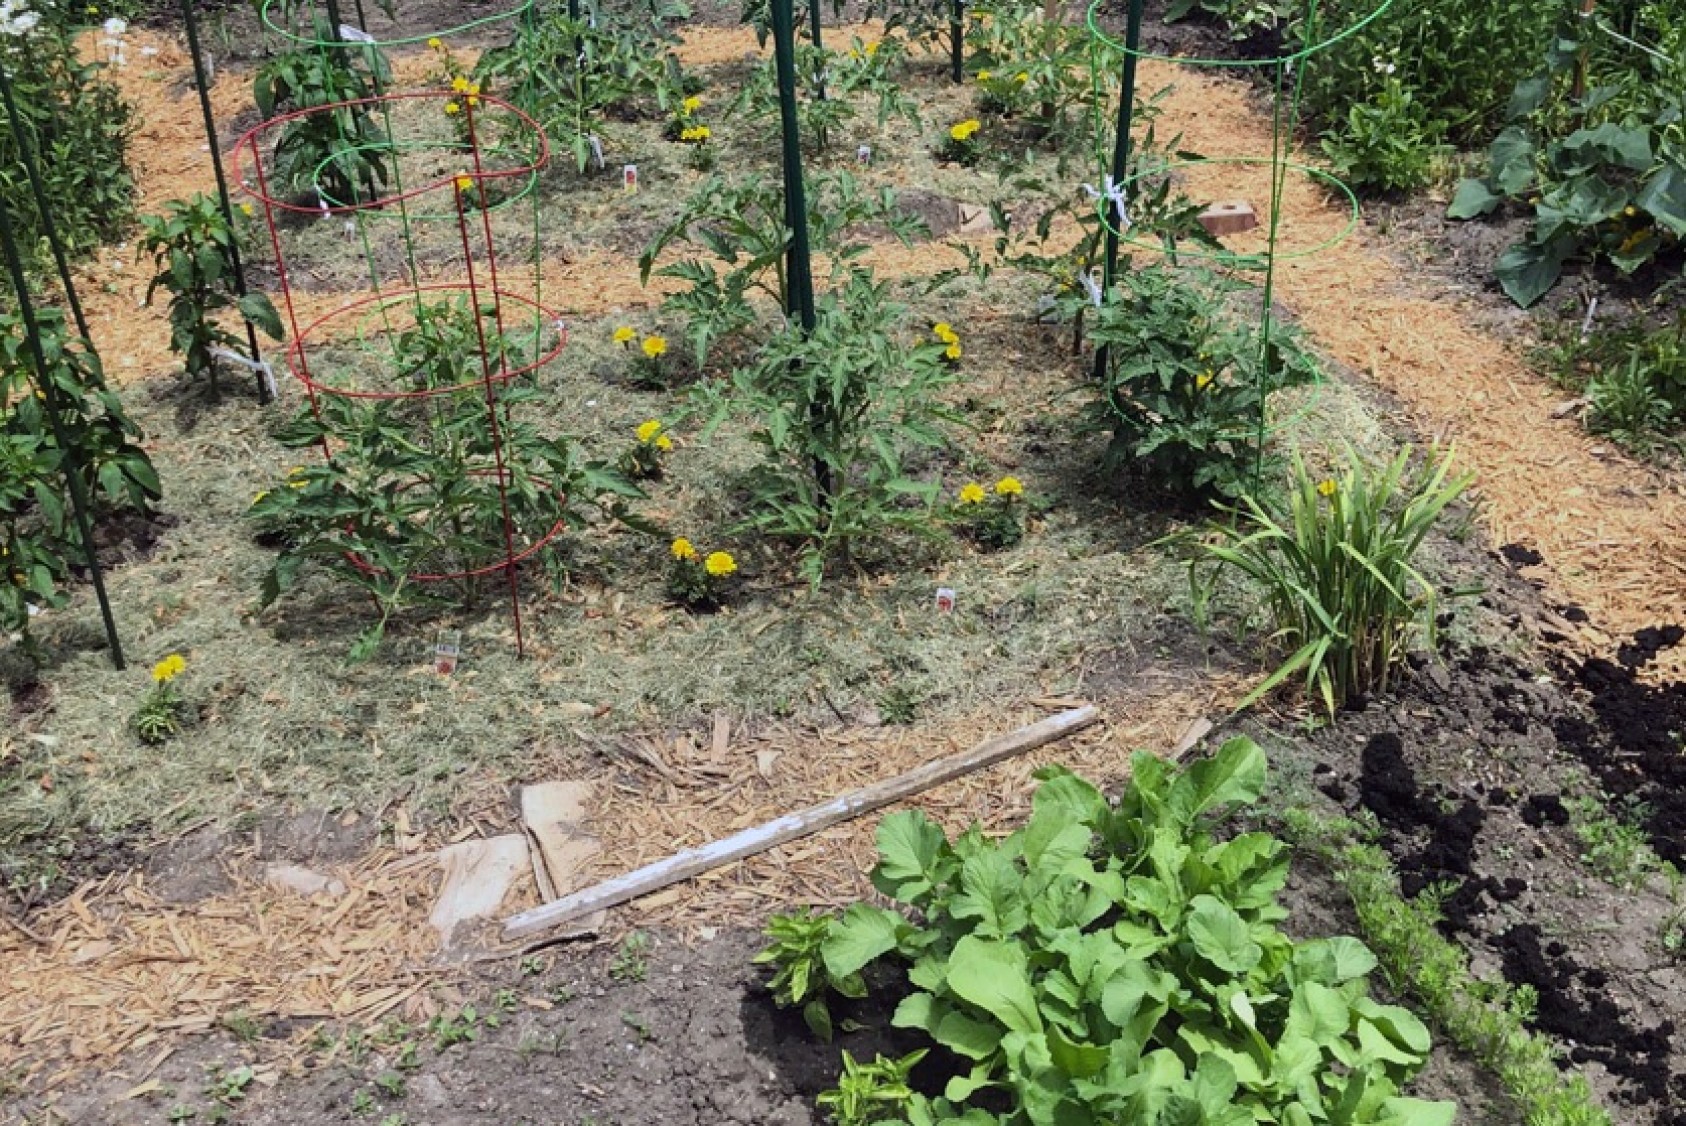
pixel 1327 487
pixel 695 133
pixel 624 334
pixel 168 669
pixel 952 352
pixel 434 44
pixel 944 332
pixel 247 210
pixel 655 346
pixel 871 49
pixel 964 130
pixel 1203 380
pixel 983 76
pixel 720 564
pixel 1009 487
pixel 692 104
pixel 683 551
pixel 459 84
pixel 451 109
pixel 1021 77
pixel 465 183
pixel 648 430
pixel 971 493
pixel 663 443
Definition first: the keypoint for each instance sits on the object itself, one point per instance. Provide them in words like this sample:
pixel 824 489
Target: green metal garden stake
pixel 814 31
pixel 72 467
pixel 235 266
pixel 1120 156
pixel 38 190
pixel 799 264
pixel 957 39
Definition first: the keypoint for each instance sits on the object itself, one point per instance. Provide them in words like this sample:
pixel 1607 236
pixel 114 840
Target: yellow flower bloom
pixel 683 551
pixel 655 346
pixel 663 443
pixel 1021 78
pixel 247 210
pixel 459 84
pixel 964 130
pixel 1203 380
pixel 971 493
pixel 648 430
pixel 952 352
pixel 692 104
pixel 1629 212
pixel 944 332
pixel 624 334
pixel 871 49
pixel 1009 487
pixel 983 76
pixel 452 109
pixel 720 564
pixel 434 44
pixel 168 669
pixel 695 133
pixel 465 183
pixel 1327 487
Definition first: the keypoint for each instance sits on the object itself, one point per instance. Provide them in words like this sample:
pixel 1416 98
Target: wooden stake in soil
pixel 694 861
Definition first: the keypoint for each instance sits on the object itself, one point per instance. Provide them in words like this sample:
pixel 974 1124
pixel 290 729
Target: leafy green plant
pixel 871 1092
pixel 1623 403
pixel 1600 159
pixel 632 958
pixel 1335 573
pixel 697 581
pixel 864 71
pixel 77 126
pixel 740 224
pixel 1243 18
pixel 412 486
pixel 800 979
pixel 1387 144
pixel 1123 964
pixel 836 412
pixel 448 1032
pixel 1045 77
pixel 39 539
pixel 338 154
pixel 190 246
pixel 570 74
pixel 160 714
pixel 1187 381
pixel 1614 842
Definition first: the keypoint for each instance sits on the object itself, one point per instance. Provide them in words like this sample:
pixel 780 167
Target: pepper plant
pixel 1115 963
pixel 338 154
pixel 190 245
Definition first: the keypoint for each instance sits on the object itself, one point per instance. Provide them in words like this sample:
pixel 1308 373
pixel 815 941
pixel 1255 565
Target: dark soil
pixel 1465 769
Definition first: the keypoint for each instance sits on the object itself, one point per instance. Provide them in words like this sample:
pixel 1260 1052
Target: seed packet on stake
pixel 629 178
pixel 863 155
pixel 945 600
pixel 447 651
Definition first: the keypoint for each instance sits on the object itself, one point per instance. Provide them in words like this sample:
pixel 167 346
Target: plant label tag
pixel 447 651
pixel 945 600
pixel 863 155
pixel 629 178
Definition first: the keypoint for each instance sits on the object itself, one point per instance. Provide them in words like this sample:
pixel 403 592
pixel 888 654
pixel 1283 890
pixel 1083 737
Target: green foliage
pixel 836 412
pixel 190 245
pixel 411 487
pixel 740 223
pixel 994 518
pixel 1602 161
pixel 1335 572
pixel 1614 841
pixel 1459 61
pixel 340 155
pixel 570 75
pixel 1624 403
pixel 1122 964
pixel 871 1092
pixel 632 958
pixel 1486 1019
pixel 1187 382
pixel 1244 18
pixel 1387 144
pixel 39 540
pixel 78 128
pixel 797 953
pixel 1050 78
pixel 864 71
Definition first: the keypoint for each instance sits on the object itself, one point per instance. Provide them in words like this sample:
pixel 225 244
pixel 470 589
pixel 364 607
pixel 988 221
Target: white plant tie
pixel 1116 194
pixel 356 35
pixel 265 372
pixel 1091 287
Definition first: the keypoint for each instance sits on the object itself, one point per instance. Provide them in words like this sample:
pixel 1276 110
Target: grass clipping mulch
pixel 115 969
